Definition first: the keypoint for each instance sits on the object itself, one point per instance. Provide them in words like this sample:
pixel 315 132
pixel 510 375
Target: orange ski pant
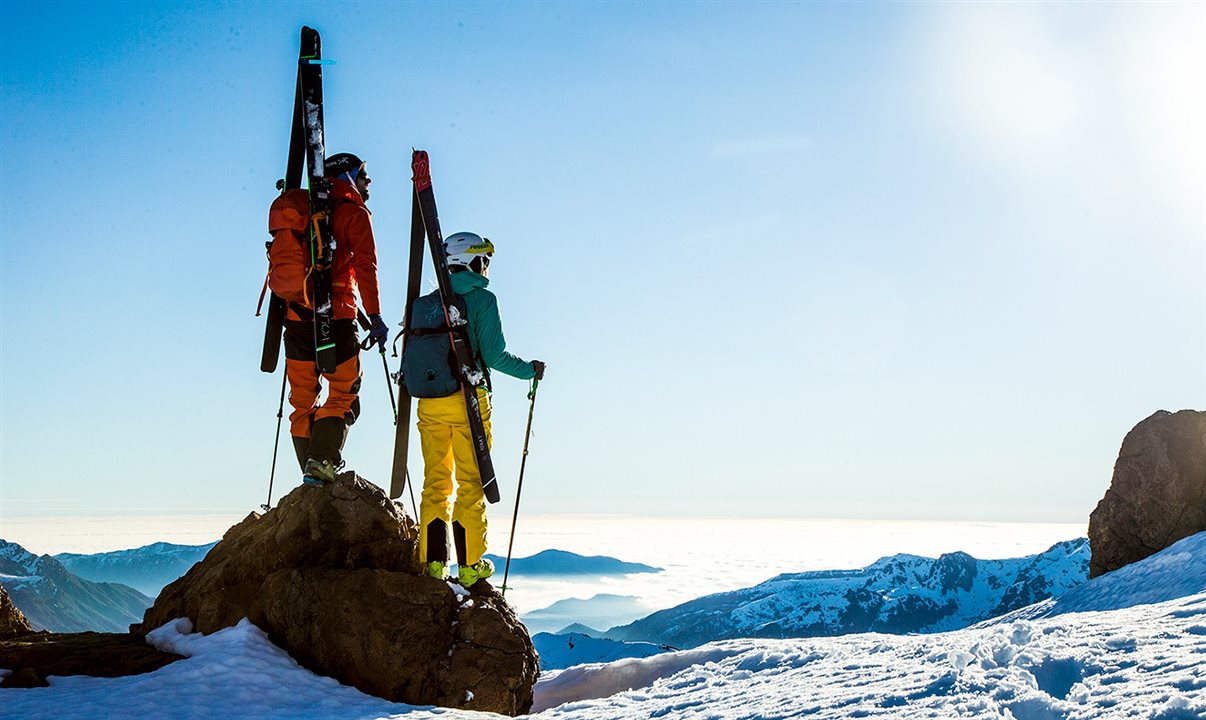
pixel 304 387
pixel 448 452
pixel 343 385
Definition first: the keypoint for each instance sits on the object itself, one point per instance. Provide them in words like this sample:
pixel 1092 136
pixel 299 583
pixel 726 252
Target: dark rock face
pixel 1157 495
pixel 11 619
pixel 954 571
pixel 333 577
pixel 34 656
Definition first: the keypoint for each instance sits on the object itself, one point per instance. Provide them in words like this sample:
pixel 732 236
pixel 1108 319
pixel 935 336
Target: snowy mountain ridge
pixel 16 561
pixel 150 568
pixel 896 594
pixel 53 598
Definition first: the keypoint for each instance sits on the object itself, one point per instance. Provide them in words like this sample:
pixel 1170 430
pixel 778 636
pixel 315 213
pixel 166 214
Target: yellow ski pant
pixel 447 446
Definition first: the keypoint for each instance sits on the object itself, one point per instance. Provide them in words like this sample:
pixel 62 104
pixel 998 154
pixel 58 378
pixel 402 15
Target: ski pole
pixel 519 487
pixel 280 412
pixel 389 385
pixel 368 343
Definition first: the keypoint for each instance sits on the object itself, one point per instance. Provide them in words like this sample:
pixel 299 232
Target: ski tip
pixel 421 165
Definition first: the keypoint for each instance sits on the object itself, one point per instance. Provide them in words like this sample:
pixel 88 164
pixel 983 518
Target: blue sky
pixel 810 260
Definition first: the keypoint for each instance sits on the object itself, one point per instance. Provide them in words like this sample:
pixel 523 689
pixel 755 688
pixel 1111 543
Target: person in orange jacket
pixel 319 430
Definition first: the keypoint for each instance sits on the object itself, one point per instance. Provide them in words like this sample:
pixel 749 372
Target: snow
pixel 1143 661
pixel 1177 571
pixel 1137 661
pixel 1100 655
pixel 233 674
pixel 14 582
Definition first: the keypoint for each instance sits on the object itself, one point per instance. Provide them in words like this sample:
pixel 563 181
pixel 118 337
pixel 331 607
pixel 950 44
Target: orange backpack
pixel 288 253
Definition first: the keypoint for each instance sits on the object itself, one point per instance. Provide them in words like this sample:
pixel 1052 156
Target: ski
pixel 424 197
pixel 275 326
pixel 397 481
pixel 322 244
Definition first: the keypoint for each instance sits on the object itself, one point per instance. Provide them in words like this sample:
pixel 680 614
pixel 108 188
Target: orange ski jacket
pixel 355 266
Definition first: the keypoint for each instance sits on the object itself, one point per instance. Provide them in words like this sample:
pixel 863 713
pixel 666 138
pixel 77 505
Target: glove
pixel 539 368
pixel 379 332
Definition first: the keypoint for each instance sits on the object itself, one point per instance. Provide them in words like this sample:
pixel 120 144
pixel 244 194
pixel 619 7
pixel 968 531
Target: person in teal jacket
pixel 444 426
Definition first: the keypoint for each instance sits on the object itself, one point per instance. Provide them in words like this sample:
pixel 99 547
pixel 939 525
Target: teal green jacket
pixel 485 326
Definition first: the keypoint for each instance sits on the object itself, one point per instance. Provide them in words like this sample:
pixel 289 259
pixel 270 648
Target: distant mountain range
pixel 561 562
pixel 897 594
pixel 150 568
pixel 53 598
pixel 146 569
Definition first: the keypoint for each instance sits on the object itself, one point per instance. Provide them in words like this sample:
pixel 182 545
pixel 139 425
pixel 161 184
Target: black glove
pixel 539 368
pixel 379 332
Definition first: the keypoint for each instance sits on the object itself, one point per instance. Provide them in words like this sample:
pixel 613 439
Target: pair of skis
pixel 425 222
pixel 306 145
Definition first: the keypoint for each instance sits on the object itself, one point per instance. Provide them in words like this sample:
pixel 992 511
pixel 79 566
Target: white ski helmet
pixel 464 247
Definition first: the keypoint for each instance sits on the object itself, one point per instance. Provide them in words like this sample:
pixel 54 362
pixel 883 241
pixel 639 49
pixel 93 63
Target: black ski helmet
pixel 341 163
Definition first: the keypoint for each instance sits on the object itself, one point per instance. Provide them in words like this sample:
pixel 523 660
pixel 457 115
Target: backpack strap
pixel 477 358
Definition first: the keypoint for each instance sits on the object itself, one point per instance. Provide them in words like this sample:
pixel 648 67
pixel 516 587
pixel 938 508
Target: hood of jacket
pixel 467 281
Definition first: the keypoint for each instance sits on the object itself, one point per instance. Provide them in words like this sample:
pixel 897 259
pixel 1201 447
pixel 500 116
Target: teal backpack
pixel 428 363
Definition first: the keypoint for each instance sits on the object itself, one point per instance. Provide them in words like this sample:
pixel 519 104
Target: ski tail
pixel 397 482
pixel 274 327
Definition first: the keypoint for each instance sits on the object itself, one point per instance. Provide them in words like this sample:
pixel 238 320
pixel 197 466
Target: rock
pixel 11 619
pixel 34 656
pixel 1157 495
pixel 333 577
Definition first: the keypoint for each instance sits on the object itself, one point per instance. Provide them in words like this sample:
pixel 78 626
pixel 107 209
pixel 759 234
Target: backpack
pixel 429 367
pixel 289 251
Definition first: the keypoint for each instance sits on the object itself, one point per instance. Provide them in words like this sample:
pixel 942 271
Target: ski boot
pixel 437 570
pixel 319 472
pixel 468 575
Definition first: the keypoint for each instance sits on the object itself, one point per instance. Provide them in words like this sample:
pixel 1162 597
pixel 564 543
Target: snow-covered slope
pixel 898 594
pixel 1177 571
pixel 147 569
pixel 1140 661
pixel 53 598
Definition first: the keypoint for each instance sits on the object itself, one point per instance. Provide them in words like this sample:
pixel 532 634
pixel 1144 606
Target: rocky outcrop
pixel 1158 492
pixel 11 619
pixel 333 577
pixel 32 657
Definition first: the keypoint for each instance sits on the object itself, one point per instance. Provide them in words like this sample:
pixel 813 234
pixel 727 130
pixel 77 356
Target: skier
pixel 319 431
pixel 444 426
